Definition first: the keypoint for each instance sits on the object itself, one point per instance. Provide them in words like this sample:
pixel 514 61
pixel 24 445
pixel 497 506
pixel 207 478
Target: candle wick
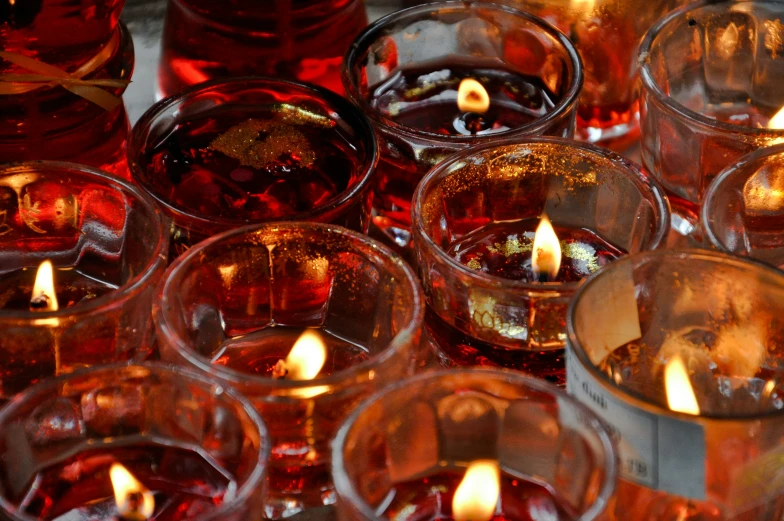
pixel 280 371
pixel 39 302
pixel 543 277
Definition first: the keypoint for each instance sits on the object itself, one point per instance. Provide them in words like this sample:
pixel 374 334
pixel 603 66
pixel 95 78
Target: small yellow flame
pixel 134 501
pixel 777 121
pixel 477 495
pixel 583 5
pixel 44 297
pixel 680 395
pixel 546 255
pixel 307 357
pixel 472 97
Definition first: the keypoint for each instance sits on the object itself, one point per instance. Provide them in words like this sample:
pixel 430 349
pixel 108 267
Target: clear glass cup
pixel 656 328
pixel 199 447
pixel 475 217
pixel 234 306
pixel 608 34
pixel 297 40
pixel 468 39
pixel 743 207
pixel 402 453
pixel 107 241
pixel 235 152
pixel 710 75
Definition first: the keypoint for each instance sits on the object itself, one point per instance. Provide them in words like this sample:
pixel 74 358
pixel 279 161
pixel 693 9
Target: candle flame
pixel 777 121
pixel 134 501
pixel 44 297
pixel 583 5
pixel 472 97
pixel 307 357
pixel 546 257
pixel 477 495
pixel 680 394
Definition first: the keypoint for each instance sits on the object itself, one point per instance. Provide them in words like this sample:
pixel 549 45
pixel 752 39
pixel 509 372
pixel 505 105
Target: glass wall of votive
pixel 235 306
pixel 433 445
pixel 301 40
pixel 743 209
pixel 196 451
pixel 41 121
pixel 710 74
pixel 406 71
pixel 250 150
pixel 476 219
pixel 680 352
pixel 107 242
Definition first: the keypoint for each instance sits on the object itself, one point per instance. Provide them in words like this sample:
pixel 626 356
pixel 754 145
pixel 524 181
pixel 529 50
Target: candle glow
pixel 44 297
pixel 680 394
pixel 306 358
pixel 546 256
pixel 777 121
pixel 134 501
pixel 477 495
pixel 472 97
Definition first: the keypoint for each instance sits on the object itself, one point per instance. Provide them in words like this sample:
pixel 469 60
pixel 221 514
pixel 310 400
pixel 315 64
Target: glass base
pixel 617 138
pixel 685 228
pixel 310 505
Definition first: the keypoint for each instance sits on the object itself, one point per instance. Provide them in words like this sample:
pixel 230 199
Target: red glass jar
pixel 251 150
pixel 300 40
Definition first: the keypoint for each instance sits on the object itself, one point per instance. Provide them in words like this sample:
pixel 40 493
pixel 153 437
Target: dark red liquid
pixel 253 164
pixel 185 484
pixel 303 40
pixel 425 98
pixel 430 499
pixel 72 287
pixel 504 250
pixel 257 353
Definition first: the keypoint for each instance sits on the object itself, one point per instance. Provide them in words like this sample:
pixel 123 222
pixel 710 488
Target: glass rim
pixel 355 118
pixel 244 493
pixel 346 489
pixel 162 309
pixel 116 297
pixel 638 400
pixel 376 29
pixel 652 86
pixel 442 170
pixel 729 174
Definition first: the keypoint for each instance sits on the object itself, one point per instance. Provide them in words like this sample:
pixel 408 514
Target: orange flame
pixel 472 97
pixel 546 255
pixel 134 501
pixel 477 495
pixel 307 357
pixel 44 297
pixel 680 394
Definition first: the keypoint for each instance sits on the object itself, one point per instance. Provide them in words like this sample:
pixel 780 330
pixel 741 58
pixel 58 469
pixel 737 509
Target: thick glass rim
pixel 115 298
pixel 169 285
pixel 443 169
pixel 733 172
pixel 346 489
pixel 371 34
pixel 652 86
pixel 244 493
pixel 640 401
pixel 347 111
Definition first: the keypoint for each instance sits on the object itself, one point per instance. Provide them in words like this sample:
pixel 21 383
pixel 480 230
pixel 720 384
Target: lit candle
pixel 680 394
pixel 477 495
pixel 134 501
pixel 546 255
pixel 305 360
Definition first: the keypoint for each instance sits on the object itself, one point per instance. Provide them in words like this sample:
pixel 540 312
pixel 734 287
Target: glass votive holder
pixel 107 242
pixel 607 33
pixel 303 41
pixel 230 153
pixel 680 352
pixel 473 444
pixel 195 450
pixel 710 74
pixel 406 72
pixel 478 217
pixel 235 306
pixel 743 208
